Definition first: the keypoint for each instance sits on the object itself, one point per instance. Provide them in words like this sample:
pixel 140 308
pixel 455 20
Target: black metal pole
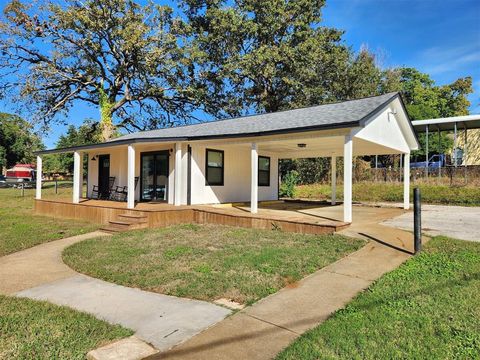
pixel 417 220
pixel 56 186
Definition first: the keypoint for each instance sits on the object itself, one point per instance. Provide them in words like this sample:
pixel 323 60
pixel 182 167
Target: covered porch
pixel 238 160
pixel 127 167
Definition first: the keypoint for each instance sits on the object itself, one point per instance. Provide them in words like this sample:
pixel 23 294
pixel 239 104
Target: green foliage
pixel 425 100
pixel 289 183
pixel 425 309
pixel 87 133
pixel 130 60
pixel 17 141
pixel 274 54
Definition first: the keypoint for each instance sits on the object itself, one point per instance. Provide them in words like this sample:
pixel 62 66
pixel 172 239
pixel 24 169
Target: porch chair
pixel 96 190
pixel 116 194
pixel 121 192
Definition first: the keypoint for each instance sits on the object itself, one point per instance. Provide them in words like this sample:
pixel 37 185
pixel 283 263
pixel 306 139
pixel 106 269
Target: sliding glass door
pixel 154 176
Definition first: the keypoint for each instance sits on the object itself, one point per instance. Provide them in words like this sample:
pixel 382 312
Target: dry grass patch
pixel 208 262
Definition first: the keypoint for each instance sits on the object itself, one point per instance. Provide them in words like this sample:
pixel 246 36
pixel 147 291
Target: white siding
pixel 385 130
pixel 236 186
pixel 118 167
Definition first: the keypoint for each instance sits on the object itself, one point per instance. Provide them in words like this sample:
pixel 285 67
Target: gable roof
pixel 345 114
pixel 336 115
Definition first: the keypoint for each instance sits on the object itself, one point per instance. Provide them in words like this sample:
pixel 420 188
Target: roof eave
pixel 197 138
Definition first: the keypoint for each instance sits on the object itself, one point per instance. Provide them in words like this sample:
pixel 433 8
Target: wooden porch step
pixel 133 218
pixel 127 225
pixel 111 230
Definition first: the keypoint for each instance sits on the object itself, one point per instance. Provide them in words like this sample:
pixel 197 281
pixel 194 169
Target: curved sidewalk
pixel 37 265
pixel 163 321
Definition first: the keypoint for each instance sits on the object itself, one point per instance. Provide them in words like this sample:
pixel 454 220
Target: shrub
pixel 289 183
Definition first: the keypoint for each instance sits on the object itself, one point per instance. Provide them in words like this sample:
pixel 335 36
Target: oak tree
pixel 125 58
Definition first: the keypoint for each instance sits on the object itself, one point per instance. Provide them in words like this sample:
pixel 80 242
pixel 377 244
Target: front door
pixel 154 176
pixel 103 176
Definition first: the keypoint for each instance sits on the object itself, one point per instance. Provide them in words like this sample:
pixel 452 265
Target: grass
pixel 378 192
pixel 38 330
pixel 428 308
pixel 207 262
pixel 21 229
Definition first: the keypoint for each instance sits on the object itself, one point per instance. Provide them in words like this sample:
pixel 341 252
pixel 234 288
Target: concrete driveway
pixel 459 222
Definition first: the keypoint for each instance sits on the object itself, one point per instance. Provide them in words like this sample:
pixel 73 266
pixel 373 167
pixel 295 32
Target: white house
pixel 236 159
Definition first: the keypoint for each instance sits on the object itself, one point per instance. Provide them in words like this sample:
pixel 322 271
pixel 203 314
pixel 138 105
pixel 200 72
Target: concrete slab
pixel 161 320
pixel 459 222
pixel 131 348
pixel 239 337
pixel 229 304
pixel 368 263
pixel 312 302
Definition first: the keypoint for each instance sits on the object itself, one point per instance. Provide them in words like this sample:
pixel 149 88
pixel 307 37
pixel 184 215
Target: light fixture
pixel 302 145
pixel 94 157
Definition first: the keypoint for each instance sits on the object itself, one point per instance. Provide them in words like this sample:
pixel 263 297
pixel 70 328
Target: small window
pixel 263 171
pixel 214 168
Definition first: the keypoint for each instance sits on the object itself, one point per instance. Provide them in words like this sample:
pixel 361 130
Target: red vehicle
pixel 21 173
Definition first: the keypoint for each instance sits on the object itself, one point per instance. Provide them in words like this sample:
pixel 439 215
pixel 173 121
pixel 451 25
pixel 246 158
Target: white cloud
pixel 438 60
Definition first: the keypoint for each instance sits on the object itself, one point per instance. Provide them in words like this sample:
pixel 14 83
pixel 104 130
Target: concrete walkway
pixel 39 273
pixel 37 265
pixel 161 320
pixel 264 329
pixel 459 222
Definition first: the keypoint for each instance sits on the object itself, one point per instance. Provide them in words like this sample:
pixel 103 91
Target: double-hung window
pixel 263 171
pixel 214 170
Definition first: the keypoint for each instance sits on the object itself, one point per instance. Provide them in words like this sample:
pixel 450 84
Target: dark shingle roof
pixel 337 115
pixel 342 114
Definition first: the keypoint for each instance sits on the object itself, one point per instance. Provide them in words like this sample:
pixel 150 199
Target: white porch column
pixel 347 178
pixel 406 181
pixel 131 177
pixel 178 174
pixel 254 180
pixel 77 180
pixel 38 190
pixel 334 179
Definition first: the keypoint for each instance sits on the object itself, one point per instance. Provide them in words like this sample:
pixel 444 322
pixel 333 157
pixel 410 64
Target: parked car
pixel 3 182
pixel 434 162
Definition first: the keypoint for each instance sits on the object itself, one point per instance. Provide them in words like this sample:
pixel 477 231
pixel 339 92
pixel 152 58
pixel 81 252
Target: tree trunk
pixel 106 116
pixel 106 125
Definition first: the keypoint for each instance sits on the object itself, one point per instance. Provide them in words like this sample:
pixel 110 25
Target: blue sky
pixel 441 38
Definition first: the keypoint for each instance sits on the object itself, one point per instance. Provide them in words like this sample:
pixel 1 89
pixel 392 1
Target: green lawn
pixel 38 330
pixel 428 308
pixel 207 262
pixel 377 192
pixel 20 229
